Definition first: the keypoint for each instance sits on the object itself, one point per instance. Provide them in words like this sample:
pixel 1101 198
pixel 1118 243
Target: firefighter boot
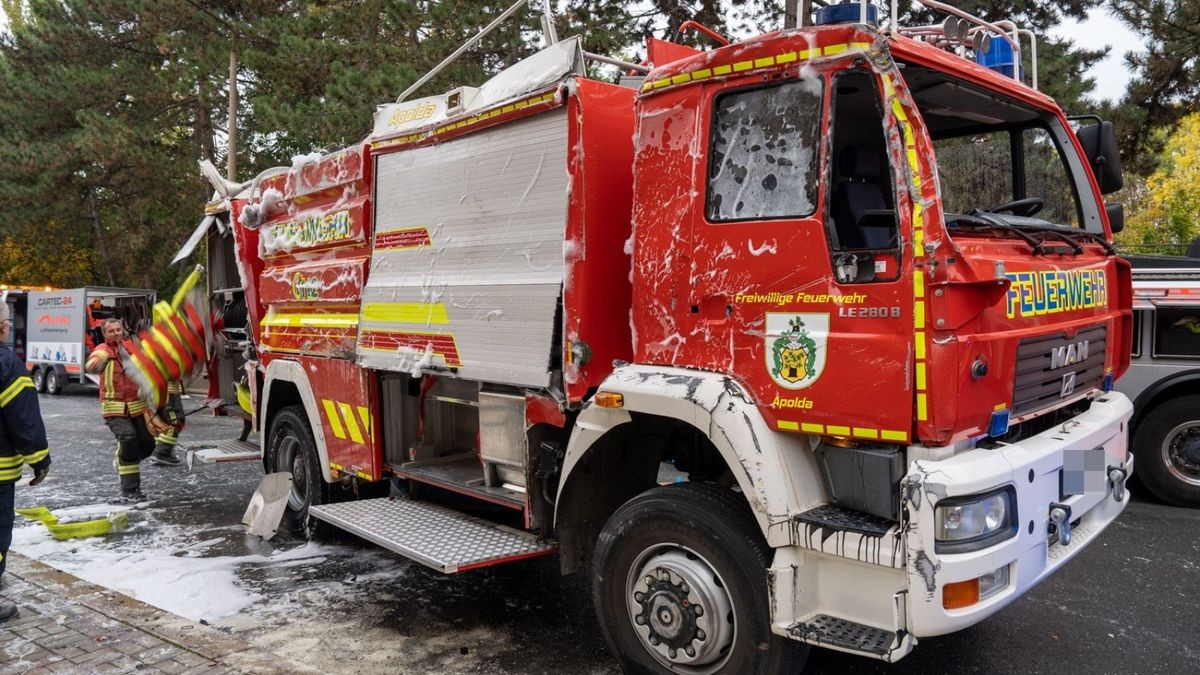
pixel 131 482
pixel 164 449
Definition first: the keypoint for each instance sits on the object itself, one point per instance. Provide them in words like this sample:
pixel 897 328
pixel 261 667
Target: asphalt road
pixel 1130 603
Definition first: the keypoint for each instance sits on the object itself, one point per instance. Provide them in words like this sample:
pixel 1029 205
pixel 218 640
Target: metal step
pixel 216 452
pixel 432 535
pixel 823 629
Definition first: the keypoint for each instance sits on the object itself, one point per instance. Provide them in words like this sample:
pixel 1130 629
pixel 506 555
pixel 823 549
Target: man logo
pixel 1068 355
pixel 1068 385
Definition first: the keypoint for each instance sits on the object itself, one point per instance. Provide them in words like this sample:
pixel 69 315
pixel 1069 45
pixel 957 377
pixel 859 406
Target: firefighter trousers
pixel 134 443
pixel 7 491
pixel 164 443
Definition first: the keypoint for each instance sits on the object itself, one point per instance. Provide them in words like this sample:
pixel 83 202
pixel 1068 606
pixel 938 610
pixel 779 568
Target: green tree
pixel 1166 83
pixel 1163 214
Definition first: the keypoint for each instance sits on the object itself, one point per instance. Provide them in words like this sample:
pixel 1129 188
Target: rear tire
pixel 1167 447
pixel 39 380
pixel 291 448
pixel 684 567
pixel 54 385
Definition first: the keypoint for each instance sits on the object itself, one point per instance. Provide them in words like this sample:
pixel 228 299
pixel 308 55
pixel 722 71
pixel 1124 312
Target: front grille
pixel 1038 385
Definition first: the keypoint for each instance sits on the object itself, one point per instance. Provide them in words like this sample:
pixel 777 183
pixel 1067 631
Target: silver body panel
pixel 495 207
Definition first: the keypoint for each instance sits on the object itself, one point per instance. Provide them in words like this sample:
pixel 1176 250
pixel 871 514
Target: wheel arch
pixel 286 383
pixel 1187 382
pixel 609 458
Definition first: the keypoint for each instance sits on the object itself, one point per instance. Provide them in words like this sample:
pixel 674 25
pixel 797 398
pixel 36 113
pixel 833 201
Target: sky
pixel 1098 30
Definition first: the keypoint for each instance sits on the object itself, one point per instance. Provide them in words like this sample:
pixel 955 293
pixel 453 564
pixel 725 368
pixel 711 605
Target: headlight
pixel 971 523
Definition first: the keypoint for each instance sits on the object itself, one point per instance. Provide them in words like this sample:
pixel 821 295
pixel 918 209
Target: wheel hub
pixel 681 610
pixel 1181 452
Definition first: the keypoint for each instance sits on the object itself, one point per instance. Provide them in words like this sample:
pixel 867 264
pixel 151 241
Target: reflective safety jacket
pixel 22 434
pixel 118 391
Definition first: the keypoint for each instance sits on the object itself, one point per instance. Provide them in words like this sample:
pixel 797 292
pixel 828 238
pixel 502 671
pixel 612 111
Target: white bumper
pixel 1032 467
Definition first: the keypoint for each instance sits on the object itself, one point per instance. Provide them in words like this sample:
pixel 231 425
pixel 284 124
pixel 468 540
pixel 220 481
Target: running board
pixel 845 635
pixel 432 535
pixel 217 452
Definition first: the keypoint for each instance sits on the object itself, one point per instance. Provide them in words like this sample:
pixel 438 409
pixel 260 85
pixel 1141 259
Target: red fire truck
pixel 808 339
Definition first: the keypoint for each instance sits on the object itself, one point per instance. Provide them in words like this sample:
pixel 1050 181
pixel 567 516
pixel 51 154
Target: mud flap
pixel 268 504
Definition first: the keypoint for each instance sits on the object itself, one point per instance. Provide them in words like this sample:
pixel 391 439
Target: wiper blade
pixel 1073 238
pixel 981 221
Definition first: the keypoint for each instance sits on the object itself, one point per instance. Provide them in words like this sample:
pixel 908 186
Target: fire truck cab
pixel 809 339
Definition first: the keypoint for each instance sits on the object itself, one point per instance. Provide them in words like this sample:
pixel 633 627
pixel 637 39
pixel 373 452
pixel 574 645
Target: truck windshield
pixel 1001 164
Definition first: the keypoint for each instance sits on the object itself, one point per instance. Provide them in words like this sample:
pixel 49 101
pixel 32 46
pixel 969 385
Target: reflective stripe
pixel 365 416
pixel 335 424
pixel 37 456
pixel 9 461
pixel 311 320
pixel 351 425
pixel 166 438
pixel 9 475
pixel 20 384
pixel 406 312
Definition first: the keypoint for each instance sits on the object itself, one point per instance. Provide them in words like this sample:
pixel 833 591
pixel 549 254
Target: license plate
pixel 1083 472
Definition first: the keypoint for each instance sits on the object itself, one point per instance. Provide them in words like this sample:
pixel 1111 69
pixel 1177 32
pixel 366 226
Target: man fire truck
pixel 846 292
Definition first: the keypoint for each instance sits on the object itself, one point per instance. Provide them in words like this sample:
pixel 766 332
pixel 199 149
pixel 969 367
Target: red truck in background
pixel 808 339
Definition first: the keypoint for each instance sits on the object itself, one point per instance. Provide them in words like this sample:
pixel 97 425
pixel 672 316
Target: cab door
pixel 798 284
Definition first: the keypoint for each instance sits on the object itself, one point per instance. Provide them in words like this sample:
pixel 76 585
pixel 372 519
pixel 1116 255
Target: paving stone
pixel 68 625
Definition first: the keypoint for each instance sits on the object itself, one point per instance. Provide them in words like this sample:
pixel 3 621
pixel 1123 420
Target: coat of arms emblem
pixel 796 348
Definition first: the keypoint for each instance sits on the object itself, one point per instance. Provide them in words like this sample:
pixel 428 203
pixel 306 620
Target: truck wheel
pixel 680 586
pixel 291 448
pixel 1167 443
pixel 39 380
pixel 54 385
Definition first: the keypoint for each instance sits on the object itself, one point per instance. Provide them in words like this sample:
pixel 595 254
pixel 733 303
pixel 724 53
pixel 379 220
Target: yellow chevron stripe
pixel 20 384
pixel 36 457
pixel 367 422
pixel 351 424
pixel 335 423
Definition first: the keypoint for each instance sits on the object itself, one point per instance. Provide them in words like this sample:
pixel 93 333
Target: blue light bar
pixel 1108 382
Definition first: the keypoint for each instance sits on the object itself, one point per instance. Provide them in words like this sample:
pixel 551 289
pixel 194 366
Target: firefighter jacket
pixel 118 391
pixel 22 434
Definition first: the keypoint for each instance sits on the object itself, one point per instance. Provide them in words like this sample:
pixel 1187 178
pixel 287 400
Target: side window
pixel 763 153
pixel 1046 178
pixel 1136 348
pixel 1176 332
pixel 863 210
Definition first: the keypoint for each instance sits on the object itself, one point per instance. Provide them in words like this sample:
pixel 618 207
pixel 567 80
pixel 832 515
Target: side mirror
pixel 1099 143
pixel 1116 216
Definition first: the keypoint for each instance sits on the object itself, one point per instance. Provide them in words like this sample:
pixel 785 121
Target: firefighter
pixel 22 440
pixel 129 418
pixel 164 443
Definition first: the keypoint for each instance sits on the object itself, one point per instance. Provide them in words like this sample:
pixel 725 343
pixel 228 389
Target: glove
pixel 39 475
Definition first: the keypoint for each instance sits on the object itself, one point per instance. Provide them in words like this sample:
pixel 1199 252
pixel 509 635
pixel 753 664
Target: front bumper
pixel 1032 467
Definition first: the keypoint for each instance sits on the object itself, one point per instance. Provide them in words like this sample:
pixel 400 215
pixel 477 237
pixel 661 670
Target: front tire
pixel 39 380
pixel 291 448
pixel 680 586
pixel 1167 443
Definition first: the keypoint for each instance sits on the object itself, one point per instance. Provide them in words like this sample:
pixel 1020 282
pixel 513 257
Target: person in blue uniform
pixel 22 441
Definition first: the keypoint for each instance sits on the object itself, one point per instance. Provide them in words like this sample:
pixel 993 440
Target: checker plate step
pixel 215 452
pixel 827 630
pixel 432 535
